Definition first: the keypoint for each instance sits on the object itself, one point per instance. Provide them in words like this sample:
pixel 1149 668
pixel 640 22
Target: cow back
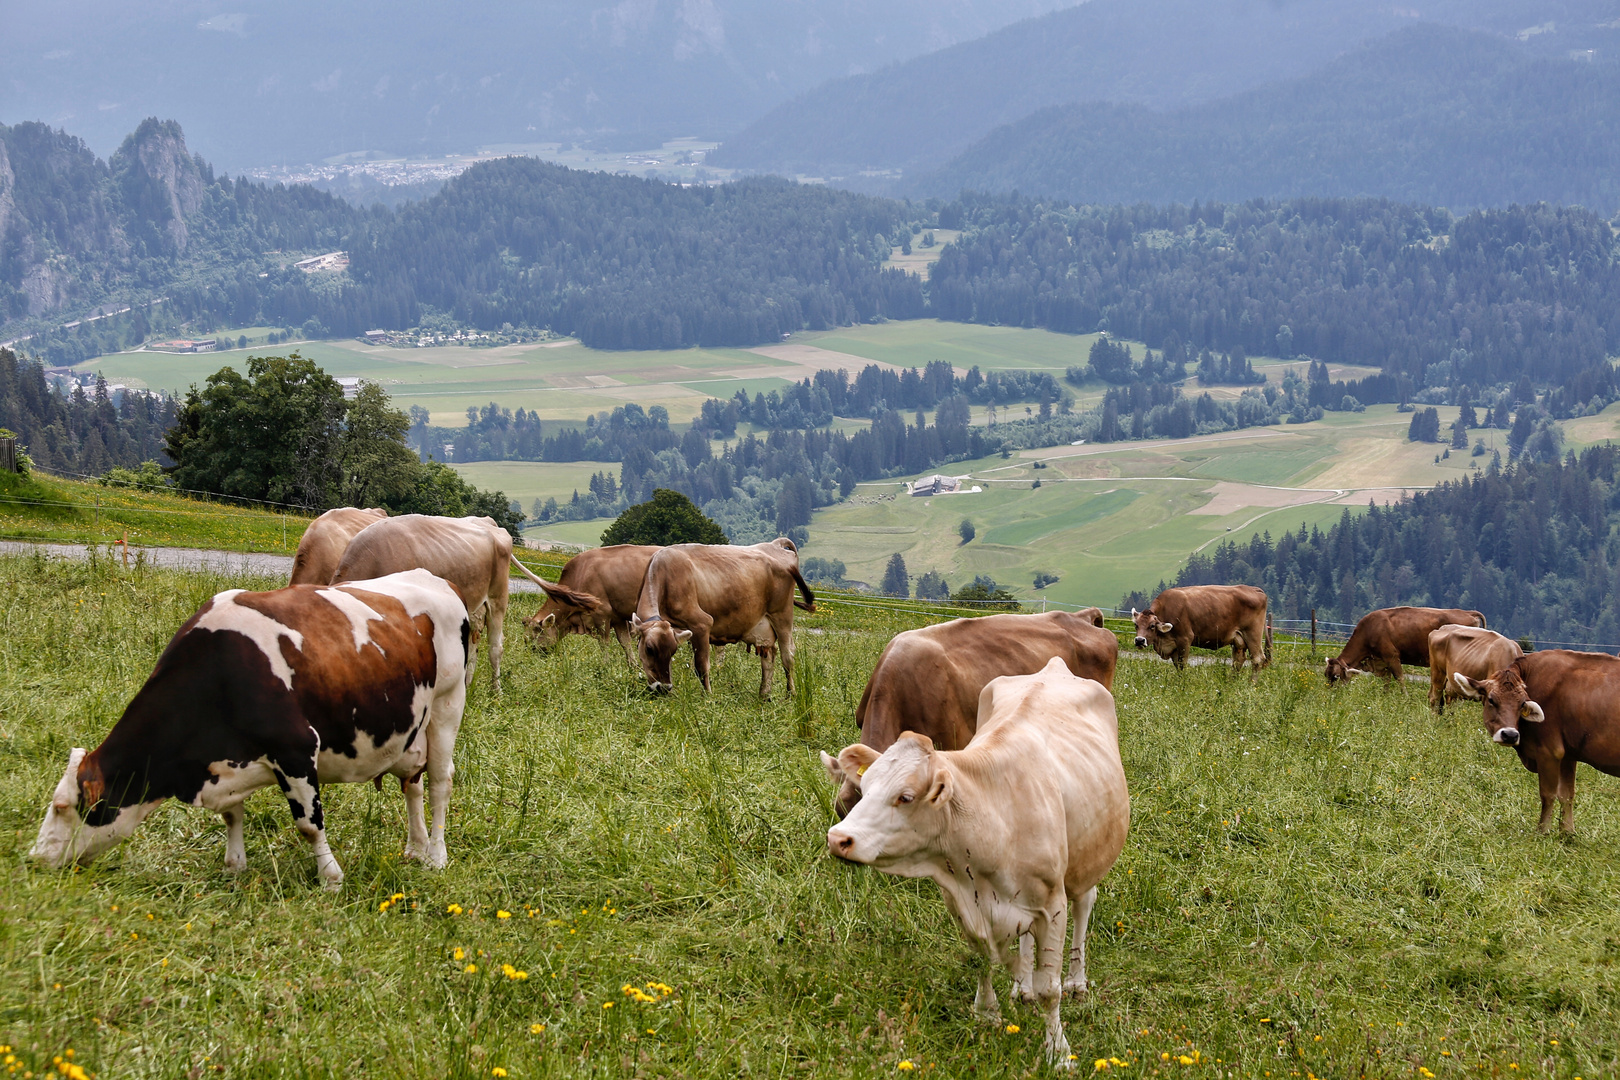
pixel 1470 650
pixel 471 553
pixel 735 587
pixel 321 548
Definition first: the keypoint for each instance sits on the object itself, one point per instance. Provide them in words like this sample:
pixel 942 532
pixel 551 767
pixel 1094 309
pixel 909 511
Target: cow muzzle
pixel 1506 736
pixel 660 687
pixel 841 844
pixel 1141 642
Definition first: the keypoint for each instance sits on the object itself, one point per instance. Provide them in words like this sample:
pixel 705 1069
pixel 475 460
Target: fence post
pixel 1313 633
pixel 8 454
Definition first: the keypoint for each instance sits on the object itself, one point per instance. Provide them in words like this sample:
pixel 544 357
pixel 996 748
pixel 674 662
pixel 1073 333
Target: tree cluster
pixel 80 431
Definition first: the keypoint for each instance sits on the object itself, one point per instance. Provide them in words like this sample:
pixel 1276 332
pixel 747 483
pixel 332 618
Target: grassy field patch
pixel 1317 882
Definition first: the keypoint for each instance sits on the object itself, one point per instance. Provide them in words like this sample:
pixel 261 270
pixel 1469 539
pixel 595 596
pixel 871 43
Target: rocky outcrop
pixel 161 181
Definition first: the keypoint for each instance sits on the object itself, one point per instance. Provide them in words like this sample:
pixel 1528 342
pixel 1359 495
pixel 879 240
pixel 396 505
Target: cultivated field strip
pixel 1328 883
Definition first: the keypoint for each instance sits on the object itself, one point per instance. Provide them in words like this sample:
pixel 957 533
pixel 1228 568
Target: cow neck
pixel 123 764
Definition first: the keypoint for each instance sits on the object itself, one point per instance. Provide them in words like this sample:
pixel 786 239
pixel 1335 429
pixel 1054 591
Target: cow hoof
pixel 987 1016
pixel 1075 987
pixel 1022 992
pixel 235 865
pixel 436 859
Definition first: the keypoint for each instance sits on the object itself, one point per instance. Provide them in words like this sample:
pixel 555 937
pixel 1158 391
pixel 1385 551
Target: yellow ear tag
pixel 861 771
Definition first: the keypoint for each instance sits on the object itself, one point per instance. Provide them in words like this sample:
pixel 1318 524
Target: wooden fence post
pixel 1313 633
pixel 8 454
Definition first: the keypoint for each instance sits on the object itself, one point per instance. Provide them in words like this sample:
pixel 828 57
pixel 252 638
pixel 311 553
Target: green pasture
pixel 1318 882
pixel 576 533
pixel 915 342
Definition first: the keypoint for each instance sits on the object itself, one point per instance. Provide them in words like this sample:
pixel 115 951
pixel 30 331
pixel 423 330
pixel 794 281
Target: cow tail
pixel 809 603
pixel 560 593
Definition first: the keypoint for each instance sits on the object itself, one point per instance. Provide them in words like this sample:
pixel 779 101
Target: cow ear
pixel 637 627
pixel 1165 628
pixel 830 763
pixel 1532 712
pixel 1133 613
pixel 549 621
pixel 683 635
pixel 1468 686
pixel 942 788
pixel 855 759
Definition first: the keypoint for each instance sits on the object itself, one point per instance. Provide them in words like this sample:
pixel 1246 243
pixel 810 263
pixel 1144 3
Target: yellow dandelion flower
pixel 397 896
pixel 521 976
pixel 453 909
pixel 535 1029
pixel 1185 1060
pixel 459 954
pixel 1012 1029
pixel 607 1004
pixel 383 906
pixel 471 969
pixel 497 1071
pixel 905 1066
pixel 503 914
pixel 1100 1064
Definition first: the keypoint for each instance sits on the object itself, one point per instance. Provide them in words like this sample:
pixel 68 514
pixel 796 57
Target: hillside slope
pixel 1161 54
pixel 1432 114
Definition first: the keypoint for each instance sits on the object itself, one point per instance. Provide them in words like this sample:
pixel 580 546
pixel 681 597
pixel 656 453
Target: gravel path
pixel 220 562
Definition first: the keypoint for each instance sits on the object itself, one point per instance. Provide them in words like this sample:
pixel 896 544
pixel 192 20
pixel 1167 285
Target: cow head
pixel 905 796
pixel 1338 670
pixel 656 641
pixel 1507 704
pixel 79 825
pixel 845 771
pixel 560 616
pixel 1151 630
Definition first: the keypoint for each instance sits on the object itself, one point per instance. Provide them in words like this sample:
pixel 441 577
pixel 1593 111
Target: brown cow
pixel 473 554
pixel 1210 617
pixel 614 576
pixel 1469 650
pixel 1565 702
pixel 929 680
pixel 1390 637
pixel 323 543
pixel 717 594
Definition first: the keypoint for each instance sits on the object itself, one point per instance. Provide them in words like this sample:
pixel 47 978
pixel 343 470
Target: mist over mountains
pixel 1432 114
pixel 260 83
pixel 870 130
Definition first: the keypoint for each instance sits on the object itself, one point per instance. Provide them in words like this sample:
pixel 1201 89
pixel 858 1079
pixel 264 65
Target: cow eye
pixel 905 797
pixel 1491 702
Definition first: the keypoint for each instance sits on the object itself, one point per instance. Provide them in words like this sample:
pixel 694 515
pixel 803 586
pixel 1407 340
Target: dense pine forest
pixel 1533 546
pixel 82 432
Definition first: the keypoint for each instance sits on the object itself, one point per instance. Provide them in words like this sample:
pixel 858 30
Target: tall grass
pixel 1327 883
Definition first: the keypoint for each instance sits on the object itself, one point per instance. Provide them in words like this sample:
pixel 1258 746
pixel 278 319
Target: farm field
pixel 1109 518
pixel 1317 883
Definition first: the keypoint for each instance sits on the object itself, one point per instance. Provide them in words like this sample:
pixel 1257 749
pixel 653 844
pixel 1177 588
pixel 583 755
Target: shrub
pixel 667 518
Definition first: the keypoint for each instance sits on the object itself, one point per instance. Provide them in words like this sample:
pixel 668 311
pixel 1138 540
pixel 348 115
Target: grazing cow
pixel 1210 617
pixel 322 545
pixel 1468 650
pixel 472 553
pixel 929 680
pixel 1014 829
pixel 1557 709
pixel 717 594
pixel 303 686
pixel 1390 637
pixel 614 576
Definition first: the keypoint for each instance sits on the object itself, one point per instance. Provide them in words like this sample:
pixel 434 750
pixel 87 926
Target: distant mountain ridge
pixel 913 117
pixel 1432 114
pixel 302 80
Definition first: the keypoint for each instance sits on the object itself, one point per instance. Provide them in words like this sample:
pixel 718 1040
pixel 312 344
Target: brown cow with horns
pixel 1210 617
pixel 1390 637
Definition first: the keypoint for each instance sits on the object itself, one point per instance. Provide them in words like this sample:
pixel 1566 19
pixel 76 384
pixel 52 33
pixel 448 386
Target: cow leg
pixel 700 655
pixel 784 642
pixel 1239 654
pixel 1547 772
pixel 301 784
pixel 1437 689
pixel 767 670
pixel 416 833
pixel 1048 930
pixel 628 644
pixel 1179 658
pixel 1023 987
pixel 441 769
pixel 1566 792
pixel 472 643
pixel 1076 982
pixel 495 620
pixel 985 1005
pixel 235 849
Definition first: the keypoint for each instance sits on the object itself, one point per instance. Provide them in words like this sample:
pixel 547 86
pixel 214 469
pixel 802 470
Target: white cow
pixel 1024 821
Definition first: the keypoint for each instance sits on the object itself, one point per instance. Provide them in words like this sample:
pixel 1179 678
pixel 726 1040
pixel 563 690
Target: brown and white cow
pixel 1210 617
pixel 1390 637
pixel 717 594
pixel 473 554
pixel 1465 650
pixel 322 545
pixel 303 686
pixel 1017 829
pixel 1557 709
pixel 928 681
pixel 613 576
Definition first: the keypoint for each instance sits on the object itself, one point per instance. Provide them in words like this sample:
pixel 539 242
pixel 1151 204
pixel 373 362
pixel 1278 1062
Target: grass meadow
pixel 1317 883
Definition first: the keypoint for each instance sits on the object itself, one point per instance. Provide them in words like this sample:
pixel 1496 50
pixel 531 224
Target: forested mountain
pixel 1535 547
pixel 629 263
pixel 621 262
pixel 302 80
pixel 1440 302
pixel 1161 54
pixel 1432 114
